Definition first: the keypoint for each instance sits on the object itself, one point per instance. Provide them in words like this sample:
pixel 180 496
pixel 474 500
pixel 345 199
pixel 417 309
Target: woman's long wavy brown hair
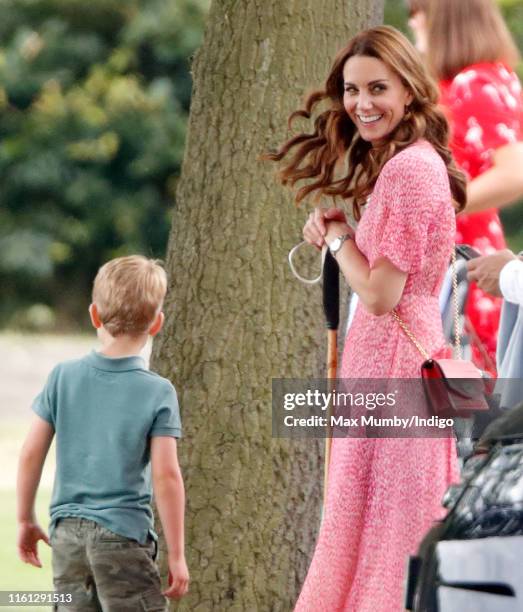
pixel 335 139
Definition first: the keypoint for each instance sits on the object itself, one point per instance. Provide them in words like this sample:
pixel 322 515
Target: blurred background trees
pixel 94 99
pixel 93 104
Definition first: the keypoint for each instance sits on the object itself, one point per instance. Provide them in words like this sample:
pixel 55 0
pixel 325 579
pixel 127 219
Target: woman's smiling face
pixel 374 97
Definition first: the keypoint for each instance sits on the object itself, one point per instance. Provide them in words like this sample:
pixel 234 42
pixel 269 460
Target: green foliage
pixel 396 15
pixel 94 99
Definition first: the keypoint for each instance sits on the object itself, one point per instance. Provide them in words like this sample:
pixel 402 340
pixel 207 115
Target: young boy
pixel 115 422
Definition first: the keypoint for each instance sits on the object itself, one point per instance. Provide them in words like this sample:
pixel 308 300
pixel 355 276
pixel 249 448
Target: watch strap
pixel 341 239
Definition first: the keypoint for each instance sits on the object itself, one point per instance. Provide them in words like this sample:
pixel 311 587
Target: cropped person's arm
pixel 30 465
pixel 486 271
pixel 501 185
pixel 169 495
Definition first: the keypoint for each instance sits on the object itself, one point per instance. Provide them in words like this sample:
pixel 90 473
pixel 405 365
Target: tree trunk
pixel 235 316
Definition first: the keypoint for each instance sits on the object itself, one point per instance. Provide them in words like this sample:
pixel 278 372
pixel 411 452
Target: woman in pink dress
pixel 471 53
pixel 382 121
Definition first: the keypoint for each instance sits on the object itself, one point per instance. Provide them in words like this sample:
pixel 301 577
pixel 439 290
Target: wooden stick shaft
pixel 332 367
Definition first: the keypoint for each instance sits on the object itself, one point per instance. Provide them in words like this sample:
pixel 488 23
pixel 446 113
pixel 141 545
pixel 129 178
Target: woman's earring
pixel 407 114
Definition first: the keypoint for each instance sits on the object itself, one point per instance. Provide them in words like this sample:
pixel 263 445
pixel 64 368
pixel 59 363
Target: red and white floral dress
pixel 484 107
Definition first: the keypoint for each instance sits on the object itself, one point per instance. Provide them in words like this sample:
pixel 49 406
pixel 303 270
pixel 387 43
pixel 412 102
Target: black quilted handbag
pixel 489 502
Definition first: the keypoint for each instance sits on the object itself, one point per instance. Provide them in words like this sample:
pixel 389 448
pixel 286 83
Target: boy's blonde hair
pixel 129 293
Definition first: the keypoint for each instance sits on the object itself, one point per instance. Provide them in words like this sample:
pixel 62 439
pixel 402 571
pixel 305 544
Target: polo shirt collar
pixel 115 364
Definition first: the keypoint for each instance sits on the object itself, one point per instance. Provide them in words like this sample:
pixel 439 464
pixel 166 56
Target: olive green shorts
pixel 104 571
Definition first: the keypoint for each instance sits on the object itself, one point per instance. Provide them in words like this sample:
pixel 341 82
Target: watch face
pixel 335 244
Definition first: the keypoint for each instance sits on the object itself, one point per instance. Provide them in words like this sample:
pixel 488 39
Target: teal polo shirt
pixel 104 412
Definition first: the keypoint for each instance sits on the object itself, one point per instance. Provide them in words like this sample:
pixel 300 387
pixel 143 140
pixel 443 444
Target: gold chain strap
pixel 457 337
pixel 410 335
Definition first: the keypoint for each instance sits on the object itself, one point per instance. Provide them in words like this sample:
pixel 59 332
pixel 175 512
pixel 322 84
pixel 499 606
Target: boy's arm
pixel 30 464
pixel 169 495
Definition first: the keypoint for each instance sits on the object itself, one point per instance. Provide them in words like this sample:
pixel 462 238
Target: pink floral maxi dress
pixel 384 494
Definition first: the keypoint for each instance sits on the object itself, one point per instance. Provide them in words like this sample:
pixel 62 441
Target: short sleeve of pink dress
pixel 400 214
pixel 410 221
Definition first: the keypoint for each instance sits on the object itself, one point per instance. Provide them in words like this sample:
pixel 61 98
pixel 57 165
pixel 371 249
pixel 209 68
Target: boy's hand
pixel 178 578
pixel 28 536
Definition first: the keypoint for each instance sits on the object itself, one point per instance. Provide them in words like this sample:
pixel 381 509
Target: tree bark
pixel 235 316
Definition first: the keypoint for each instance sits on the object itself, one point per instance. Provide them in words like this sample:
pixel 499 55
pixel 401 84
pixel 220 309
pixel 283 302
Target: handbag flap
pixel 458 368
pixel 461 378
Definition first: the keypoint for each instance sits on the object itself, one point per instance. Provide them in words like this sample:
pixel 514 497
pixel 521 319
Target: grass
pixel 15 575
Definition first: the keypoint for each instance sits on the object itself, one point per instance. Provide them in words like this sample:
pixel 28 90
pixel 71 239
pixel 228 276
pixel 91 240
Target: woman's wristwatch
pixel 337 243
